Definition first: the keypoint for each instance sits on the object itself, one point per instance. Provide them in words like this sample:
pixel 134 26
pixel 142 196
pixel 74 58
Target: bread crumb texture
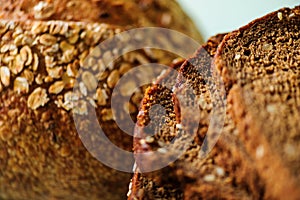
pixel 265 88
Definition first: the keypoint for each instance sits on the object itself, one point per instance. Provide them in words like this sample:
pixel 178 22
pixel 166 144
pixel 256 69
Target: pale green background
pixel 219 16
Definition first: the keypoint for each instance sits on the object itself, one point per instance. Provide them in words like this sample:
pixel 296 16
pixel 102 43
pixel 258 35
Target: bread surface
pixel 259 65
pixel 257 150
pixel 223 173
pixel 44 48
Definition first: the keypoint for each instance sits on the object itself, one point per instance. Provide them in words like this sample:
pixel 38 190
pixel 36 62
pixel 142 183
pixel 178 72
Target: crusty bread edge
pixel 279 182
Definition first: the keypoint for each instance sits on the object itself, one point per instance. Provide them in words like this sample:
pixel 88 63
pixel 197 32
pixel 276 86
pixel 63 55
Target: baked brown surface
pixel 133 13
pixel 259 65
pixel 41 154
pixel 226 173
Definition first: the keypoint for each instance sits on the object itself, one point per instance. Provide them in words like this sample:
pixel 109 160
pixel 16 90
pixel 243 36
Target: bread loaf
pixel 226 173
pixel 43 45
pixel 131 13
pixel 259 64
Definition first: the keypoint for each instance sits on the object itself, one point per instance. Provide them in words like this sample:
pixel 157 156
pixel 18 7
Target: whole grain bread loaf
pixel 227 172
pixel 134 13
pixel 259 64
pixel 43 49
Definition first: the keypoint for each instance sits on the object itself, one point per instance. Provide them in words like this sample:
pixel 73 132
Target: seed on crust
pixel 107 58
pixel 26 55
pixel 69 82
pixel 73 38
pixel 55 72
pixel 127 88
pixel 209 178
pixel 3 27
pixel 14 52
pixel 89 81
pixel 4 48
pixel 91 62
pixel 28 75
pixel 83 89
pixel 113 78
pixel 166 19
pixel 96 52
pixel 101 97
pixel 43 10
pixel 72 70
pixel 92 102
pixel 26 40
pixel 49 61
pixel 65 46
pixel 125 67
pixel 8 60
pixel 35 63
pixel 58 27
pixel 81 108
pixel 47 39
pixel 106 115
pixel 18 40
pixel 51 50
pixel 56 87
pixel 48 79
pixel 18 65
pixel 102 75
pixel 39 27
pixel 135 56
pixel 39 79
pixel 279 15
pixel 21 85
pixel 5 76
pixel 69 99
pixel 37 98
pixel 68 56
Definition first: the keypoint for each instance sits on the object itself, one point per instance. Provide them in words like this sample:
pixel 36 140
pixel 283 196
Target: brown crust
pixel 132 13
pixel 187 175
pixel 280 183
pixel 42 154
pixel 218 63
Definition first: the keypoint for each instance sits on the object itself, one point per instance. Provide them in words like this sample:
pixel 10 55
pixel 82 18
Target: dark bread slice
pixel 41 153
pixel 259 64
pixel 223 174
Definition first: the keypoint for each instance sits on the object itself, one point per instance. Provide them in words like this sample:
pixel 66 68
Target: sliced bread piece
pixel 226 173
pixel 259 64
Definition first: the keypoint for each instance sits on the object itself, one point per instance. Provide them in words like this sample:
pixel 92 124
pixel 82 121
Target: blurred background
pixel 219 16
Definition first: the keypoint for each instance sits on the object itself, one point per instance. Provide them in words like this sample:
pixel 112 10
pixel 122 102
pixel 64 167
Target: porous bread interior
pixel 260 67
pixel 192 173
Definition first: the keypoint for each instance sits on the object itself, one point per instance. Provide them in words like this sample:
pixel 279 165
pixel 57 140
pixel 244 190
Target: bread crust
pixel 251 107
pixel 41 153
pixel 132 13
pixel 193 177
